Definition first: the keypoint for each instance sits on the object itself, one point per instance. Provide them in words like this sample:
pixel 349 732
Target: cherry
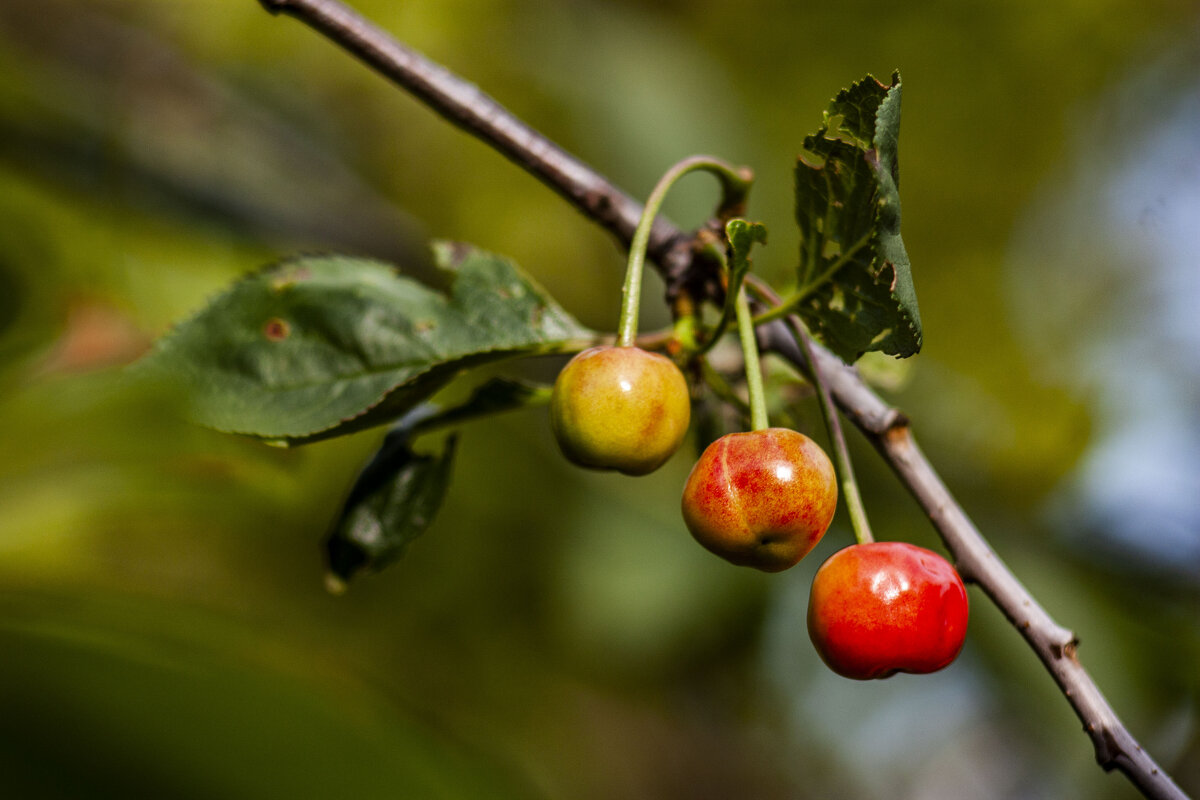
pixel 620 408
pixel 761 499
pixel 886 607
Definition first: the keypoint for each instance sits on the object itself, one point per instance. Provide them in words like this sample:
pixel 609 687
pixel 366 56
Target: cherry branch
pixel 466 106
pixel 887 428
pixel 890 432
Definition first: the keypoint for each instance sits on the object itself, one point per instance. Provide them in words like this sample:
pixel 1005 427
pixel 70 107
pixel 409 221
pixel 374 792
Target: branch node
pixel 895 424
pixel 1068 650
pixel 596 203
pixel 1108 749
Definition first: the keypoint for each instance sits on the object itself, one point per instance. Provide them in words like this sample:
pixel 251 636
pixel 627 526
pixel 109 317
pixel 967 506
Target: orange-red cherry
pixel 886 607
pixel 620 408
pixel 761 499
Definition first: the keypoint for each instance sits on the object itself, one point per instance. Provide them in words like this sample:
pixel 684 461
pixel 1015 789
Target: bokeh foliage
pixel 556 633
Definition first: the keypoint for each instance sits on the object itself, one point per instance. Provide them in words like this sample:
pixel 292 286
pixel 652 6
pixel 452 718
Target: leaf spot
pixel 276 329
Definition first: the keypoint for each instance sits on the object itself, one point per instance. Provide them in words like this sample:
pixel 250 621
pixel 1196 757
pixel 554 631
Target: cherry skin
pixel 886 607
pixel 620 408
pixel 761 499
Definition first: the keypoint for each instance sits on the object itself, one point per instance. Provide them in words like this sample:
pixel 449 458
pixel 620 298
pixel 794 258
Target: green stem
pixel 754 378
pixel 735 184
pixel 841 453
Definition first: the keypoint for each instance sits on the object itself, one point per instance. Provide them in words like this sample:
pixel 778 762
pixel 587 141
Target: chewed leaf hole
pixel 837 299
pixel 276 329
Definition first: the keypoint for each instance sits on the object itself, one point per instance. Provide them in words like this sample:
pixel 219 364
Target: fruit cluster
pixel 763 498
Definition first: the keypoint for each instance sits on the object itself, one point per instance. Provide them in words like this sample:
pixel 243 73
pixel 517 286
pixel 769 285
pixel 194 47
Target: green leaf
pixel 742 237
pixel 321 346
pixel 393 502
pixel 855 280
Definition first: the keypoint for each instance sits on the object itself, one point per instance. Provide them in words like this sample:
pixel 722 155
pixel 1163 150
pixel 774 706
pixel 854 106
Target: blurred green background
pixel 164 630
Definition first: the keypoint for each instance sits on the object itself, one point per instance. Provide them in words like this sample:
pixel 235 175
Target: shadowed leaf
pixel 393 502
pixel 398 493
pixel 854 273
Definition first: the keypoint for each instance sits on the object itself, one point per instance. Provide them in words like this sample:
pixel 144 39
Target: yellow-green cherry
pixel 620 408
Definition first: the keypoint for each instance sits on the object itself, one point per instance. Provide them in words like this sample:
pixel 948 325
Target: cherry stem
pixel 735 183
pixel 841 453
pixel 754 378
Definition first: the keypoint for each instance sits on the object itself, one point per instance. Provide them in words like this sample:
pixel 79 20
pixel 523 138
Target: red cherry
pixel 886 607
pixel 761 499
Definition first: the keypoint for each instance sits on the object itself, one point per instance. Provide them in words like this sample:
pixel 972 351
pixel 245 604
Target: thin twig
pixel 467 107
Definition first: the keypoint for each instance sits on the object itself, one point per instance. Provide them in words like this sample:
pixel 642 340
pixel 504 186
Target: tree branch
pixel 888 429
pixel 466 106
